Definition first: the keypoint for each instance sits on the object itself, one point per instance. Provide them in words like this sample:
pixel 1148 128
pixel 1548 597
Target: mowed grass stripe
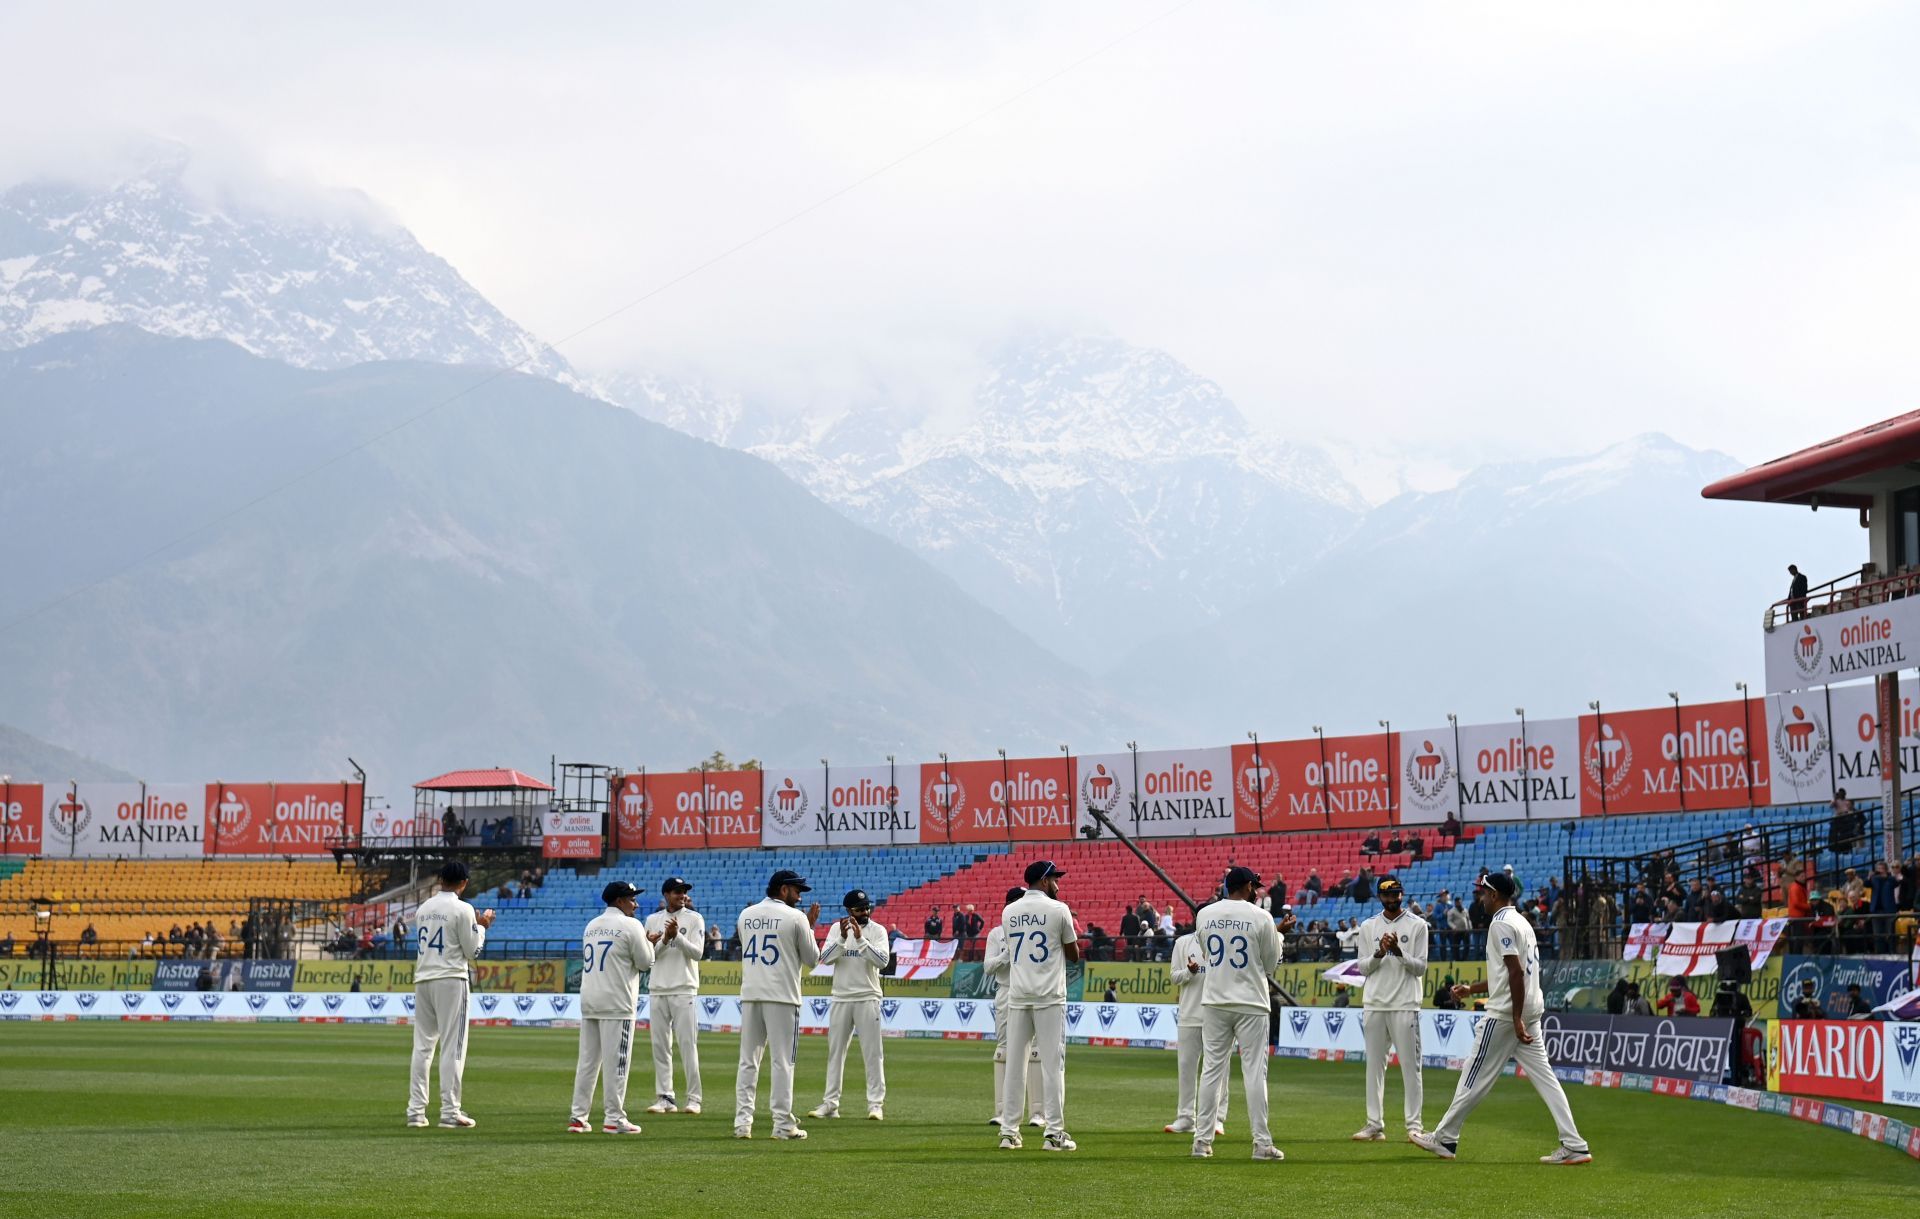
pixel 192 1119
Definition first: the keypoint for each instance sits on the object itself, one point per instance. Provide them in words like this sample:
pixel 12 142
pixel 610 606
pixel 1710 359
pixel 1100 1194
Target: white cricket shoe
pixel 693 1109
pixel 1010 1142
pixel 1179 1125
pixel 1059 1142
pixel 1430 1143
pixel 623 1126
pixel 825 1110
pixel 1037 1121
pixel 458 1121
pixel 416 1121
pixel 576 1126
pixel 1203 1151
pixel 791 1133
pixel 876 1114
pixel 1219 1128
pixel 1268 1152
pixel 743 1132
pixel 1567 1155
pixel 663 1105
pixel 1371 1134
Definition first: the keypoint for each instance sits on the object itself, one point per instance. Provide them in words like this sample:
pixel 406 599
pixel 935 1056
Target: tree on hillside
pixel 718 760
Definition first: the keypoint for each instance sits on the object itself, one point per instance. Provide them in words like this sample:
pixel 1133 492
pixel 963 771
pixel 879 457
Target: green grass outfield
pixel 284 1120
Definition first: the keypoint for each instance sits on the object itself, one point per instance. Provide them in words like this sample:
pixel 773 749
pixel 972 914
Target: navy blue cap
pixel 857 899
pixel 1039 870
pixel 786 876
pixel 1500 883
pixel 618 890
pixel 453 872
pixel 673 884
pixel 1015 894
pixel 1240 878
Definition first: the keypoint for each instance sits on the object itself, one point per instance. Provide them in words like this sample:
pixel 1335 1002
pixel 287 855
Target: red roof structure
pixel 1843 472
pixel 483 781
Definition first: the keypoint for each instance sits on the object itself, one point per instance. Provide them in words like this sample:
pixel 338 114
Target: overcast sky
pixel 1454 231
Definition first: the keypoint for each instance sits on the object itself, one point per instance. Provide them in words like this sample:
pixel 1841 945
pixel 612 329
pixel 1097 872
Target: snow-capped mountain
pixel 1100 495
pixel 321 286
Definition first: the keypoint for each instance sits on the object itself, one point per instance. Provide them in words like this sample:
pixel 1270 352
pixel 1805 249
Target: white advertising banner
pixel 1839 647
pixel 1179 793
pixel 1502 772
pixel 841 806
pixel 126 820
pixel 1822 740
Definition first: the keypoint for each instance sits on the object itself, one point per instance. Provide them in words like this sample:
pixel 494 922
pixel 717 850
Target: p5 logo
pixel 296 1002
pixel 256 1002
pixel 889 1008
pixel 1149 1016
pixel 210 1002
pixel 377 1002
pixel 489 1002
pixel 46 999
pixel 1298 1018
pixel 524 1003
pixel 965 1008
pixel 332 1002
pixel 1335 1022
pixel 1108 1013
pixel 559 1003
pixel 170 1002
pixel 929 1010
pixel 1906 1046
pixel 8 999
pixel 132 1000
pixel 1443 1024
pixel 87 1000
pixel 711 1007
pixel 1074 1012
pixel 819 1007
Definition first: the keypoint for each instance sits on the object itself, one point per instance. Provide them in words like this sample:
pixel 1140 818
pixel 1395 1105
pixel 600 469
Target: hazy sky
pixel 1462 231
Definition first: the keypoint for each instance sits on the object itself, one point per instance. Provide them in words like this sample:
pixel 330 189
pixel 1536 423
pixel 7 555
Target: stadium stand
pixel 125 899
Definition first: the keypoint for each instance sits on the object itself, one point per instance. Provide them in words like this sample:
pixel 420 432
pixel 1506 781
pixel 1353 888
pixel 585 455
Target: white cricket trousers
pixel 439 1019
pixel 1044 1029
pixel 606 1050
pixel 850 1018
pixel 1399 1031
pixel 673 1023
pixel 1494 1045
pixel 1190 1051
pixel 1000 1068
pixel 1225 1031
pixel 772 1029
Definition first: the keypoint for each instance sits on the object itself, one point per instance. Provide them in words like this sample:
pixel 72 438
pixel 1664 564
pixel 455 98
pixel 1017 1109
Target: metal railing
pixel 1843 593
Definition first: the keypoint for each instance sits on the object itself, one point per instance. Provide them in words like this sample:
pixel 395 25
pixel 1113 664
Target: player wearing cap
pixel 679 937
pixel 857 949
pixel 449 935
pixel 1188 967
pixel 1242 950
pixel 776 944
pixel 1511 1029
pixel 615 952
pixel 995 964
pixel 1393 956
pixel 1040 941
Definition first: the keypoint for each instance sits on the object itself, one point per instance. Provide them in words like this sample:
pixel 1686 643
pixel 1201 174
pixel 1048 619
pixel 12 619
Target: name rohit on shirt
pixel 761 923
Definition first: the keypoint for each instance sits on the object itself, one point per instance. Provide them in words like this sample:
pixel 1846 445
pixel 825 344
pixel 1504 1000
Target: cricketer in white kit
pixel 448 936
pixel 1511 1029
pixel 678 934
pixel 1393 956
pixel 776 946
pixel 857 949
pixel 1040 941
pixel 614 953
pixel 1188 967
pixel 995 964
pixel 1242 948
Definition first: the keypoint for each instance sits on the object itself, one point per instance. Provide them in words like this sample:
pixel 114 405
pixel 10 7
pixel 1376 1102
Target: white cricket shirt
pixel 1509 935
pixel 1038 928
pixel 995 964
pixel 614 953
pixel 676 962
pixel 776 947
pixel 1189 984
pixel 1394 982
pixel 1241 949
pixel 446 937
pixel 856 961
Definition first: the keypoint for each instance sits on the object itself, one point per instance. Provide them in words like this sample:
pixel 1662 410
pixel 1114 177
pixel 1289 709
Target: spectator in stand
pixel 1678 1001
pixel 1130 926
pixel 1796 593
pixel 1443 997
pixel 450 829
pixel 1450 828
pixel 1601 929
pixel 1551 894
pixel 1750 847
pixel 1883 903
pixel 1806 1005
pixel 1479 917
pixel 1310 892
pixel 1858 1006
pixel 1640 904
pixel 1348 937
pixel 1370 845
pixel 933 926
pixel 1637 1004
pixel 1147 914
pixel 716 943
pixel 1845 826
pixel 1394 845
pixel 146 944
pixel 1341 998
pixel 976 933
pixel 89 935
pixel 1853 889
pixel 1567 940
pixel 1341 886
pixel 1416 847
pixel 1617 998
pixel 1266 899
pixel 1508 869
pixel 1907 895
pixel 1112 995
pixel 1748 903
pixel 1719 909
pixel 1362 888
pixel 1459 929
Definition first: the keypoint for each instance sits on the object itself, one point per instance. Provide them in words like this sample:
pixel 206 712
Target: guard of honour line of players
pixel 1222 972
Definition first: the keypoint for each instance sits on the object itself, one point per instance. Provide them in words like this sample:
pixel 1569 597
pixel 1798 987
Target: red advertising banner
pixel 280 818
pixel 1659 760
pixel 20 815
pixel 1843 1058
pixel 972 801
pixel 1347 782
pixel 1256 789
pixel 570 835
pixel 685 809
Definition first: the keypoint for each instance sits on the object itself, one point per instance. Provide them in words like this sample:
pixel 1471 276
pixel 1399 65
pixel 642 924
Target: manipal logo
pixel 1100 790
pixel 819 1007
pixel 71 816
pixel 1609 762
pixel 788 808
pixel 1335 1022
pixel 1906 1044
pixel 1808 651
pixel 1299 1018
pixel 943 799
pixel 524 1003
pixel 930 1010
pixel 234 812
pixel 1256 784
pixel 889 1008
pixel 1430 776
pixel 1074 1012
pixel 1443 1024
pixel 1800 743
pixel 711 1007
pixel 1108 1013
pixel 965 1008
